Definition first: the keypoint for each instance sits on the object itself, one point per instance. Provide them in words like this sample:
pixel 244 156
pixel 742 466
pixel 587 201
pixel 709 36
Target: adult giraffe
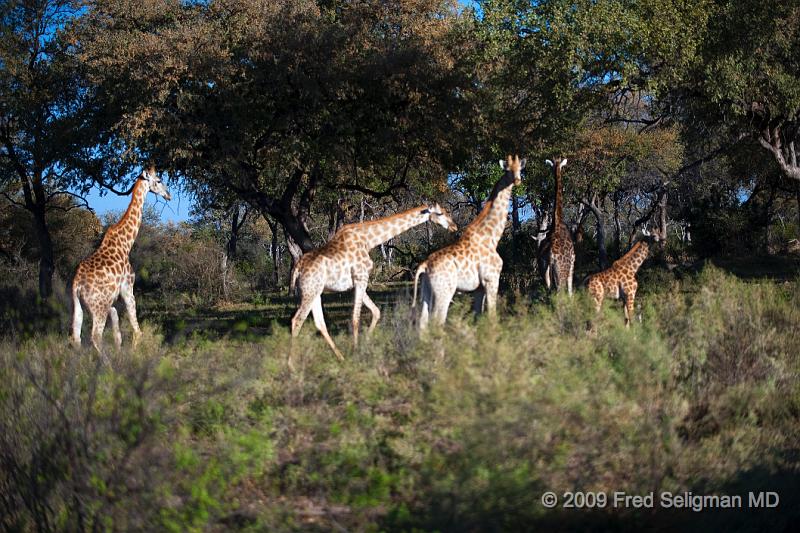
pixel 107 274
pixel 344 263
pixel 472 262
pixel 557 253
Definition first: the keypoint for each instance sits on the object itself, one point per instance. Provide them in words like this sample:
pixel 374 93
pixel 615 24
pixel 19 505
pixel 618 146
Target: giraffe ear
pixel 503 164
pixel 522 163
pixel 548 162
pixel 563 163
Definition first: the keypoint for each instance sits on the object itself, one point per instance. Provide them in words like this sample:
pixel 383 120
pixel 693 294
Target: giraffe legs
pixel 301 314
pixel 491 283
pixel 547 280
pixel 77 319
pixel 427 303
pixel 569 275
pixel 478 300
pixel 490 280
pixel 126 291
pixel 555 275
pixel 359 293
pixel 441 303
pixel 630 298
pixel 312 303
pixel 376 312
pixel 112 313
pixel 319 321
pixel 297 322
pixel 98 325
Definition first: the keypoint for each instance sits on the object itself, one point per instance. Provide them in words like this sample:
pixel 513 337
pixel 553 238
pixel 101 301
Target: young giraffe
pixel 619 281
pixel 558 252
pixel 344 263
pixel 107 274
pixel 472 262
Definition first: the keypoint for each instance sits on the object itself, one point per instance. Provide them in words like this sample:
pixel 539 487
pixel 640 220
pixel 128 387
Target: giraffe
pixel 557 253
pixel 107 274
pixel 472 262
pixel 344 263
pixel 619 280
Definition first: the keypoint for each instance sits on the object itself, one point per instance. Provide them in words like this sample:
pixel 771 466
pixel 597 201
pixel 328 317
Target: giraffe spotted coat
pixel 344 263
pixel 107 275
pixel 619 280
pixel 472 263
pixel 558 251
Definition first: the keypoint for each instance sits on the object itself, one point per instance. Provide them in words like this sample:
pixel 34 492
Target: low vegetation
pixel 461 430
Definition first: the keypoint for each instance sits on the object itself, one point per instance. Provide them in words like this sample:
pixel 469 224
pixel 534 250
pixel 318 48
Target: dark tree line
pixel 673 114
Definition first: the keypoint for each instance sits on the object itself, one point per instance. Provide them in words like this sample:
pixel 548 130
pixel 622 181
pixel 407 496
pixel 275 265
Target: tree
pixel 39 91
pixel 747 79
pixel 281 102
pixel 55 136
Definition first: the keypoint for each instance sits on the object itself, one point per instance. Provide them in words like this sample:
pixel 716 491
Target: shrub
pixel 463 429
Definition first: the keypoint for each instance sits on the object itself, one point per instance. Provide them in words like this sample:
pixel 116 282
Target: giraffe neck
pixel 636 255
pixel 123 233
pixel 491 221
pixel 557 215
pixel 381 230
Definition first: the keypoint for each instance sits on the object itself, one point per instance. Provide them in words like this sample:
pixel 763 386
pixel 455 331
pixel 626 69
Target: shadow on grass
pixel 253 321
pixel 438 513
pixel 774 267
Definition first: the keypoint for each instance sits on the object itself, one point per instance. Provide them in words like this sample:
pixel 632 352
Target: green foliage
pixel 463 429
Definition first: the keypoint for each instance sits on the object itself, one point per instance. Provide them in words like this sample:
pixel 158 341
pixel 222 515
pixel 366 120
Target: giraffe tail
pixel 420 269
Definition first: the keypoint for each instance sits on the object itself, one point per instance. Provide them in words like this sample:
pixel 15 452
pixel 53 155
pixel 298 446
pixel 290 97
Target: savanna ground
pixel 203 426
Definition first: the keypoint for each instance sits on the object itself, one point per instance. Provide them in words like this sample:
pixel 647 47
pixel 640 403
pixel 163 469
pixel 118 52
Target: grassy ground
pixel 203 427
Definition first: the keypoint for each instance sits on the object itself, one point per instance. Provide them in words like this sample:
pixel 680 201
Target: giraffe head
pixel 439 216
pixel 513 166
pixel 156 185
pixel 557 165
pixel 652 236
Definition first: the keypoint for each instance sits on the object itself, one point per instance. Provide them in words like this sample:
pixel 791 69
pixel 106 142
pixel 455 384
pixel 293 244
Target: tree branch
pixel 771 140
pixel 68 193
pixel 391 191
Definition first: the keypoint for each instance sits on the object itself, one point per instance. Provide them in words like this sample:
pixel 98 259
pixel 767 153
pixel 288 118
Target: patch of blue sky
pixel 176 210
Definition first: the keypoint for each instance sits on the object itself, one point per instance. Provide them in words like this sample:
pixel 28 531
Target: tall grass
pixel 461 430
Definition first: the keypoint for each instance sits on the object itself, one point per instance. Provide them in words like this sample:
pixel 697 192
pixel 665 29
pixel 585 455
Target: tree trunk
pixel 36 203
pixel 602 255
pixel 577 232
pixel 46 261
pixel 515 225
pixel 233 235
pixel 224 269
pixel 274 252
pixel 335 217
pixel 797 198
pixel 617 226
pixel 428 237
pixel 541 228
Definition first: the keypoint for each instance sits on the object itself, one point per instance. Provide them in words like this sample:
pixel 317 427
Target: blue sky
pixel 176 210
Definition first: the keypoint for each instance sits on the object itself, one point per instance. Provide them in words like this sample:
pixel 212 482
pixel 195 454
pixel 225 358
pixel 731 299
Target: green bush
pixel 463 429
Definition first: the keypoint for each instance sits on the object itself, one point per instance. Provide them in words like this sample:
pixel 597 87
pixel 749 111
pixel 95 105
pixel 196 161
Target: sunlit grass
pixel 461 429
